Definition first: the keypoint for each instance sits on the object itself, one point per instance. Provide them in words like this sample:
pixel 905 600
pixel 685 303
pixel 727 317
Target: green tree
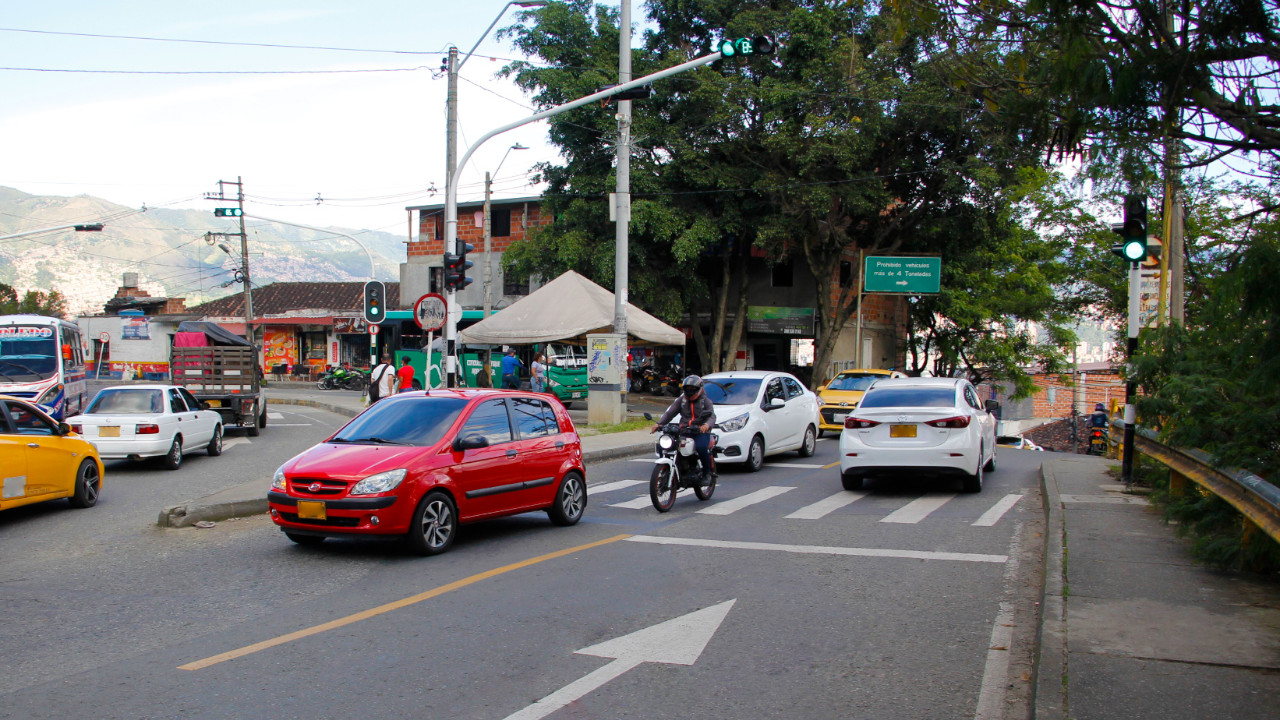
pixel 37 302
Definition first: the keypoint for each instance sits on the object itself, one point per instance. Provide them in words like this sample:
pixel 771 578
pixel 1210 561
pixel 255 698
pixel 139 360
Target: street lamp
pixel 451 155
pixel 488 231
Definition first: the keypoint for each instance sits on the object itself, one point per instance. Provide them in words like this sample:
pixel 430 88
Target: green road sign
pixel 903 275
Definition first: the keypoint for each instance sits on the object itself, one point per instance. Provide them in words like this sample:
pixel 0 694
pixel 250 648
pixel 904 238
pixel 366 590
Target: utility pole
pixel 244 249
pixel 451 219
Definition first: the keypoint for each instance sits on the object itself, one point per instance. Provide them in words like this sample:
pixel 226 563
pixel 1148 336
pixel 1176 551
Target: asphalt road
pixel 816 603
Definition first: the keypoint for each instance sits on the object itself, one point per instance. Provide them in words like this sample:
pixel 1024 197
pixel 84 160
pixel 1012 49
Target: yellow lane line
pixel 834 464
pixel 396 605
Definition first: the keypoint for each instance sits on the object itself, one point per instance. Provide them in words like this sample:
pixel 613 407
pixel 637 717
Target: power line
pixel 210 72
pixel 221 42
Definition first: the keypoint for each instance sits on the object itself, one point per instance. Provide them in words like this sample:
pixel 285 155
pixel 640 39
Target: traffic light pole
pixel 451 187
pixel 1130 386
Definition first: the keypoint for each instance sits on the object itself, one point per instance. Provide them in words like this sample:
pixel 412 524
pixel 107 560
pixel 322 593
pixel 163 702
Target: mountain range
pixel 170 251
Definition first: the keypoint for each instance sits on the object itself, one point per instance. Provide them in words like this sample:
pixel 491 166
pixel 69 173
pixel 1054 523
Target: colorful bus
pixel 42 359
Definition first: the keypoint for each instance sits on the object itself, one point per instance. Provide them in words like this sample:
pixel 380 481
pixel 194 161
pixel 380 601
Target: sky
pixel 349 149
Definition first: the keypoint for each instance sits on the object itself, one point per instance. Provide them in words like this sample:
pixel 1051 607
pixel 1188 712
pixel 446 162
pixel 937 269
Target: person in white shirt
pixel 382 380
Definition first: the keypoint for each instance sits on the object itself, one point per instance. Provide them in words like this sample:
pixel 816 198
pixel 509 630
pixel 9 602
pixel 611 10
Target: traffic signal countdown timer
pixel 456 266
pixel 375 302
pixel 227 212
pixel 733 47
pixel 1133 247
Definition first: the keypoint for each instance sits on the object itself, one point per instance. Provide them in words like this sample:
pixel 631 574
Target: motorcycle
pixel 339 379
pixel 355 380
pixel 644 379
pixel 1097 442
pixel 676 466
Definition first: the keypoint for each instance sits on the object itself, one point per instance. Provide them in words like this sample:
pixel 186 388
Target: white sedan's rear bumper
pixel 957 454
pixel 113 449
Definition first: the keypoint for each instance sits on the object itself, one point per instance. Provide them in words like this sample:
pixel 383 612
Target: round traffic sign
pixel 104 337
pixel 430 311
pixel 373 329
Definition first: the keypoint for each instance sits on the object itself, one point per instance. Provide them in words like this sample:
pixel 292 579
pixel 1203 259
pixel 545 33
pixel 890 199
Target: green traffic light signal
pixel 1134 249
pixel 759 45
pixel 227 212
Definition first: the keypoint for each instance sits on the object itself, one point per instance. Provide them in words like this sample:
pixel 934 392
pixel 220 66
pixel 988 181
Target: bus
pixel 42 360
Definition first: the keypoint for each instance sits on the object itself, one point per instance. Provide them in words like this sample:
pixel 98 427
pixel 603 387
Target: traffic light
pixel 759 45
pixel 227 212
pixel 375 302
pixel 455 268
pixel 1133 248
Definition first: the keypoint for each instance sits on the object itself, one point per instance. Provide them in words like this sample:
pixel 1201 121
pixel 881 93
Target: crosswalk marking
pixel 917 510
pixel 736 504
pixel 610 487
pixel 645 501
pixel 825 506
pixel 821 549
pixel 802 466
pixel 274 415
pixel 997 511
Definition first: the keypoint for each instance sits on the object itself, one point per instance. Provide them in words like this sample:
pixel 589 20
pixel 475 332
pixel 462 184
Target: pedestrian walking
pixel 404 376
pixel 381 380
pixel 484 378
pixel 538 373
pixel 511 370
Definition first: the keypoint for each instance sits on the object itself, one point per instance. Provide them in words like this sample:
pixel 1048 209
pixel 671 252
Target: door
pixel 13 463
pixel 51 461
pixel 800 412
pixel 778 433
pixel 541 449
pixel 183 420
pixel 486 477
pixel 205 420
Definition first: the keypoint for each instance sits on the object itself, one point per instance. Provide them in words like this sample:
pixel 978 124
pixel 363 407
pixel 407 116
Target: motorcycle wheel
pixel 321 384
pixel 662 488
pixel 704 491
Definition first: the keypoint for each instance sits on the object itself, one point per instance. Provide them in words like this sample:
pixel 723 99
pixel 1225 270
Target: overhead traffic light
pixel 375 302
pixel 1133 247
pixel 227 212
pixel 732 47
pixel 456 266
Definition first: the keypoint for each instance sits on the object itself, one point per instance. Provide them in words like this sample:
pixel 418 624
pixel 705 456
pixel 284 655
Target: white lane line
pixel 821 549
pixel 280 424
pixel 802 466
pixel 917 510
pixel 234 441
pixel 610 487
pixel 736 504
pixel 997 511
pixel 643 460
pixel 274 415
pixel 644 501
pixel 826 506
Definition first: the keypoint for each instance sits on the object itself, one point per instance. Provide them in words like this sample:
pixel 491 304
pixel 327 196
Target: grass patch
pixel 625 426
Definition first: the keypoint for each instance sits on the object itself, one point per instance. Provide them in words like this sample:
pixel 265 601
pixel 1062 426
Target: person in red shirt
pixel 404 376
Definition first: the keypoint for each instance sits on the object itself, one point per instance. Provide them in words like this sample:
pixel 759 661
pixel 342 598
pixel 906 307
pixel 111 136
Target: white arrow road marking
pixel 679 641
pixel 610 487
pixel 997 511
pixel 736 504
pixel 916 510
pixel 232 442
pixel 802 466
pixel 823 507
pixel 821 549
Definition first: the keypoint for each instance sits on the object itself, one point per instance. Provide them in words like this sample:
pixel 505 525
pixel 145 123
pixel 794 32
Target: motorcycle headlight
pixel 277 482
pixel 380 483
pixel 735 424
pixel 666 442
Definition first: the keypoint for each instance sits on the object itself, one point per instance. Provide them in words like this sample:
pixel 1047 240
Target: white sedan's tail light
pixel 147 429
pixel 856 423
pixel 957 422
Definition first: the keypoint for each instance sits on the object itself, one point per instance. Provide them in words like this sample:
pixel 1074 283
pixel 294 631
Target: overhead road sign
pixel 903 275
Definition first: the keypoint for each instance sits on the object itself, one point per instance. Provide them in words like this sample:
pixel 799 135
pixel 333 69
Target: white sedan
pixel 145 421
pixel 761 413
pixel 914 424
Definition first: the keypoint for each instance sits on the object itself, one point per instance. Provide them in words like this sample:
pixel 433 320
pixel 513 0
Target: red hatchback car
pixel 421 463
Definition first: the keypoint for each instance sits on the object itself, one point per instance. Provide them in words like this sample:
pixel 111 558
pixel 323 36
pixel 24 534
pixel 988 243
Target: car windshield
pixel 403 421
pixel 732 391
pixel 853 382
pixel 127 401
pixel 882 397
pixel 28 353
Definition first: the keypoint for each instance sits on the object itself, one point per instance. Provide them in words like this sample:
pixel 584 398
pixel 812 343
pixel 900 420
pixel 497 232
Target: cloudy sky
pixel 137 118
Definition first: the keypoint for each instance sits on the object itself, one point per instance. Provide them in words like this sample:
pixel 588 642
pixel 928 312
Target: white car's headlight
pixel 277 482
pixel 380 483
pixel 735 424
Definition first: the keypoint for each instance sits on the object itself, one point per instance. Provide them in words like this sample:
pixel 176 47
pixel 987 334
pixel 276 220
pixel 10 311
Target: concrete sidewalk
pixel 250 498
pixel 1132 628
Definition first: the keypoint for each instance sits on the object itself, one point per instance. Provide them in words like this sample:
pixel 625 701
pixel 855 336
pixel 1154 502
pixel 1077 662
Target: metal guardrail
pixel 1256 499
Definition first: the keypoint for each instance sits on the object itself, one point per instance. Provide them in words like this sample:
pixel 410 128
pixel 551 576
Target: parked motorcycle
pixel 644 379
pixel 1097 442
pixel 339 379
pixel 676 466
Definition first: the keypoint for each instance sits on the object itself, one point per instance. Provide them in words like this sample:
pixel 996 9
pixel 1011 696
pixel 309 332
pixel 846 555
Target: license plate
pixel 311 510
pixel 902 431
pixel 109 431
pixel 578 395
pixel 839 419
pixel 214 403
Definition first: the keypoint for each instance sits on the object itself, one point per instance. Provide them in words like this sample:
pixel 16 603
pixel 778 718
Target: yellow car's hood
pixel 835 397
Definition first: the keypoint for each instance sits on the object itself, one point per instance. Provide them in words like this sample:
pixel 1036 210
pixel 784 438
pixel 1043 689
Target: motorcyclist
pixel 1099 417
pixel 695 410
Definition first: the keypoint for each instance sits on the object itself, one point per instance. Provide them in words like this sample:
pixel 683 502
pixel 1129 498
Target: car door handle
pixel 511 453
pixel 33 445
pixel 559 444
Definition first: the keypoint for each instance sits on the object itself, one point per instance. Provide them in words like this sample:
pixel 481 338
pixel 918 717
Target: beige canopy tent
pixel 566 309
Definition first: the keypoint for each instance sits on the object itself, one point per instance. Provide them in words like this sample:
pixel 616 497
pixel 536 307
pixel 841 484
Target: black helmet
pixel 1100 406
pixel 691 385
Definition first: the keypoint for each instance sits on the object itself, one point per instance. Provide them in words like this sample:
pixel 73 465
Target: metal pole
pixel 488 244
pixel 857 335
pixel 451 215
pixel 244 260
pixel 1130 386
pixel 623 196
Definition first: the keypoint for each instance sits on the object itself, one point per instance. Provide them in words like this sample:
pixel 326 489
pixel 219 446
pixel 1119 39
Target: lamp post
pixel 488 231
pixel 451 203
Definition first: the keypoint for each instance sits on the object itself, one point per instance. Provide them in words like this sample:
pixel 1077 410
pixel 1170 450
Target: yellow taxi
pixel 842 394
pixel 41 459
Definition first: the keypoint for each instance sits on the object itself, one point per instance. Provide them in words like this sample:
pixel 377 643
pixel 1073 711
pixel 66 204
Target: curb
pixel 1050 688
pixel 335 409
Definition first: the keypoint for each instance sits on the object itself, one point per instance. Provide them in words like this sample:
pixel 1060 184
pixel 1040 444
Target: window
pixel 176 404
pixel 513 284
pixel 793 387
pixel 846 274
pixel 782 274
pixel 126 401
pixel 192 402
pixel 731 391
pixel 408 421
pixel 26 422
pixel 489 421
pixel 500 222
pixel 890 396
pixel 534 418
pixel 972 398
pixel 774 390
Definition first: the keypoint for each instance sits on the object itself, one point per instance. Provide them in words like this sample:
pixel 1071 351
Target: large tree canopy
pixel 852 138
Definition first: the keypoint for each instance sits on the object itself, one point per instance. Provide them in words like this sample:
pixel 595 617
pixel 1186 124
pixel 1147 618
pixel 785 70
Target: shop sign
pixel 781 320
pixel 350 326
